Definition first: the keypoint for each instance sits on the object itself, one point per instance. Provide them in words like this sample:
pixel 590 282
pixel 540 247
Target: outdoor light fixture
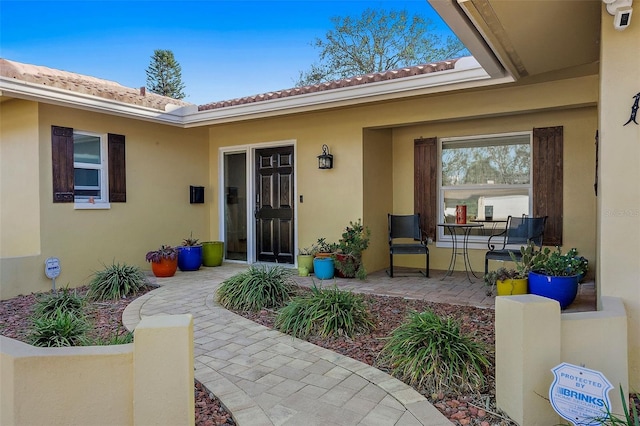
pixel 325 160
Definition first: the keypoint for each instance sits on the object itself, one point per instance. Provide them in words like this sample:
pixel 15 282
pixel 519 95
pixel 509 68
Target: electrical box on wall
pixel 196 194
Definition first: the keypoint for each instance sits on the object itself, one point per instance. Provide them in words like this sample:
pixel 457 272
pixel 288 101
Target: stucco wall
pixel 618 191
pixel 161 163
pixel 146 382
pixel 334 197
pixel 19 179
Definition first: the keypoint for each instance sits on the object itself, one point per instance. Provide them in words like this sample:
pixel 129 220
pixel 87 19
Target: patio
pixel 455 289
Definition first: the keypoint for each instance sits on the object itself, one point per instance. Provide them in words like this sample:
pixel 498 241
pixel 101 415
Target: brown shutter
pixel 117 169
pixel 425 169
pixel 547 181
pixel 62 164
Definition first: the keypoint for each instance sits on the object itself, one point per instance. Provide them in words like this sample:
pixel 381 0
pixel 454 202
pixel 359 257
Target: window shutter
pixel 425 169
pixel 62 164
pixel 117 169
pixel 547 181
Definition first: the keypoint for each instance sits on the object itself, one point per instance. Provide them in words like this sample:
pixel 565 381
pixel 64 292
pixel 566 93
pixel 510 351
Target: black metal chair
pixel 518 232
pixel 407 227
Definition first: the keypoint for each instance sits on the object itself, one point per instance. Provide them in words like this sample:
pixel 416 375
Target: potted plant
pixel 305 260
pixel 190 254
pixel 556 275
pixel 323 263
pixel 506 282
pixel 354 240
pixel 164 261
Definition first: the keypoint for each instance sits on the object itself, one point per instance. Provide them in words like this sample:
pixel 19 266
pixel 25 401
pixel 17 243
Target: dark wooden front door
pixel 274 205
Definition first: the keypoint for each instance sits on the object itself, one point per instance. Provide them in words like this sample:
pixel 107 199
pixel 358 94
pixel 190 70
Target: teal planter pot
pixel 189 258
pixel 562 289
pixel 323 268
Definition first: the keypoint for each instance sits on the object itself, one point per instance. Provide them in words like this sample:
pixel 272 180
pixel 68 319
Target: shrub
pixel 326 312
pixel 115 338
pixel 68 301
pixel 116 281
pixel 256 288
pixel 62 328
pixel 431 352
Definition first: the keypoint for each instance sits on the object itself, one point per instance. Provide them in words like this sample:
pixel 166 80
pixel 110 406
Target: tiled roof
pixel 114 91
pixel 84 84
pixel 336 84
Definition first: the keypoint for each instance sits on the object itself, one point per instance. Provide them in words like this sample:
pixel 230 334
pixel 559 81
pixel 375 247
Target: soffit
pixel 532 37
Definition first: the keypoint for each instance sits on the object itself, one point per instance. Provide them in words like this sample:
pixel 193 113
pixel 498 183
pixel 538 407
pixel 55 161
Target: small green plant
pixel 256 288
pixel 115 338
pixel 323 246
pixel 164 252
pixel 354 240
pixel 66 300
pixel 431 352
pixel 190 241
pixel 62 328
pixel 325 312
pixel 116 281
pixel 554 263
pixel 307 251
pixel 531 256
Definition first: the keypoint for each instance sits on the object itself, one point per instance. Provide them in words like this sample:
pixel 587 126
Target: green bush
pixel 431 352
pixel 116 281
pixel 62 328
pixel 326 312
pixel 66 300
pixel 256 288
pixel 113 339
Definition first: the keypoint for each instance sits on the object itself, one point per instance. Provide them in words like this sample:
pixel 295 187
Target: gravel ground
pixel 388 312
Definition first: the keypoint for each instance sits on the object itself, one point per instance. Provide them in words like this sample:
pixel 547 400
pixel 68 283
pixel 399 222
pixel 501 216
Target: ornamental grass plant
pixel 324 312
pixel 60 328
pixel 66 300
pixel 257 288
pixel 116 281
pixel 430 352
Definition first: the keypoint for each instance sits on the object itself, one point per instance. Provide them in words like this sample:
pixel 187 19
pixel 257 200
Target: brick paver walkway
pixel 265 377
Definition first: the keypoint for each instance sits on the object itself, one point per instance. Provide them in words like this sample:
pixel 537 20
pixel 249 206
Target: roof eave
pixel 467 74
pixel 12 87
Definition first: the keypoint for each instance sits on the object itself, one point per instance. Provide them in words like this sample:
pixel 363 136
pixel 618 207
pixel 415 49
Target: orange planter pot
pixel 164 268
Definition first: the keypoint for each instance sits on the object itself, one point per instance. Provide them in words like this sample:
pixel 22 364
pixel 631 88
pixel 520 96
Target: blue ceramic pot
pixel 323 268
pixel 562 289
pixel 189 258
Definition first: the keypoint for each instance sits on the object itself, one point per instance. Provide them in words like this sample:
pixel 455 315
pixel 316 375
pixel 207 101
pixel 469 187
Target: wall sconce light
pixel 325 160
pixel 621 11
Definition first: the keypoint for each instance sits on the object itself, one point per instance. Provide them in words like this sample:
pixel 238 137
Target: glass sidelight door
pixel 235 206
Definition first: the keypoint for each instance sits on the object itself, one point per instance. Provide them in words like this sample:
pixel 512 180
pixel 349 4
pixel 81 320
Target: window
pixel 490 175
pixel 88 177
pixel 86 170
pixel 460 171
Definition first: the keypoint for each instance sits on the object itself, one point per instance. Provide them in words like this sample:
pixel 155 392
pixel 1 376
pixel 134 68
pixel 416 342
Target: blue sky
pixel 226 49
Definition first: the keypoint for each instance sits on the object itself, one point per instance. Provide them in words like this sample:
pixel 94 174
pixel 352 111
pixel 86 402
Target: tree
pixel 164 75
pixel 378 41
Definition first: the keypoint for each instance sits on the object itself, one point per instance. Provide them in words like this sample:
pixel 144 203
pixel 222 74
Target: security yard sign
pixel 52 270
pixel 579 394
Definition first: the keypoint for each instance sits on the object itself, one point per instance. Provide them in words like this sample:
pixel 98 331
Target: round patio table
pixel 457 249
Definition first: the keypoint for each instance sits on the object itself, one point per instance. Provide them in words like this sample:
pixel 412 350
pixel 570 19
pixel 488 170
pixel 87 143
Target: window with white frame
pixel 490 175
pixel 89 167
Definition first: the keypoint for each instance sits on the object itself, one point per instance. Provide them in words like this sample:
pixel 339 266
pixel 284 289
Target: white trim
pixel 250 150
pixel 91 206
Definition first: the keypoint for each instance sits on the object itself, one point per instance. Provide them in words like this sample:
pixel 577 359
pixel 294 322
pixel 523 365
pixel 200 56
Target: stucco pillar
pixel 163 371
pixel 528 346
